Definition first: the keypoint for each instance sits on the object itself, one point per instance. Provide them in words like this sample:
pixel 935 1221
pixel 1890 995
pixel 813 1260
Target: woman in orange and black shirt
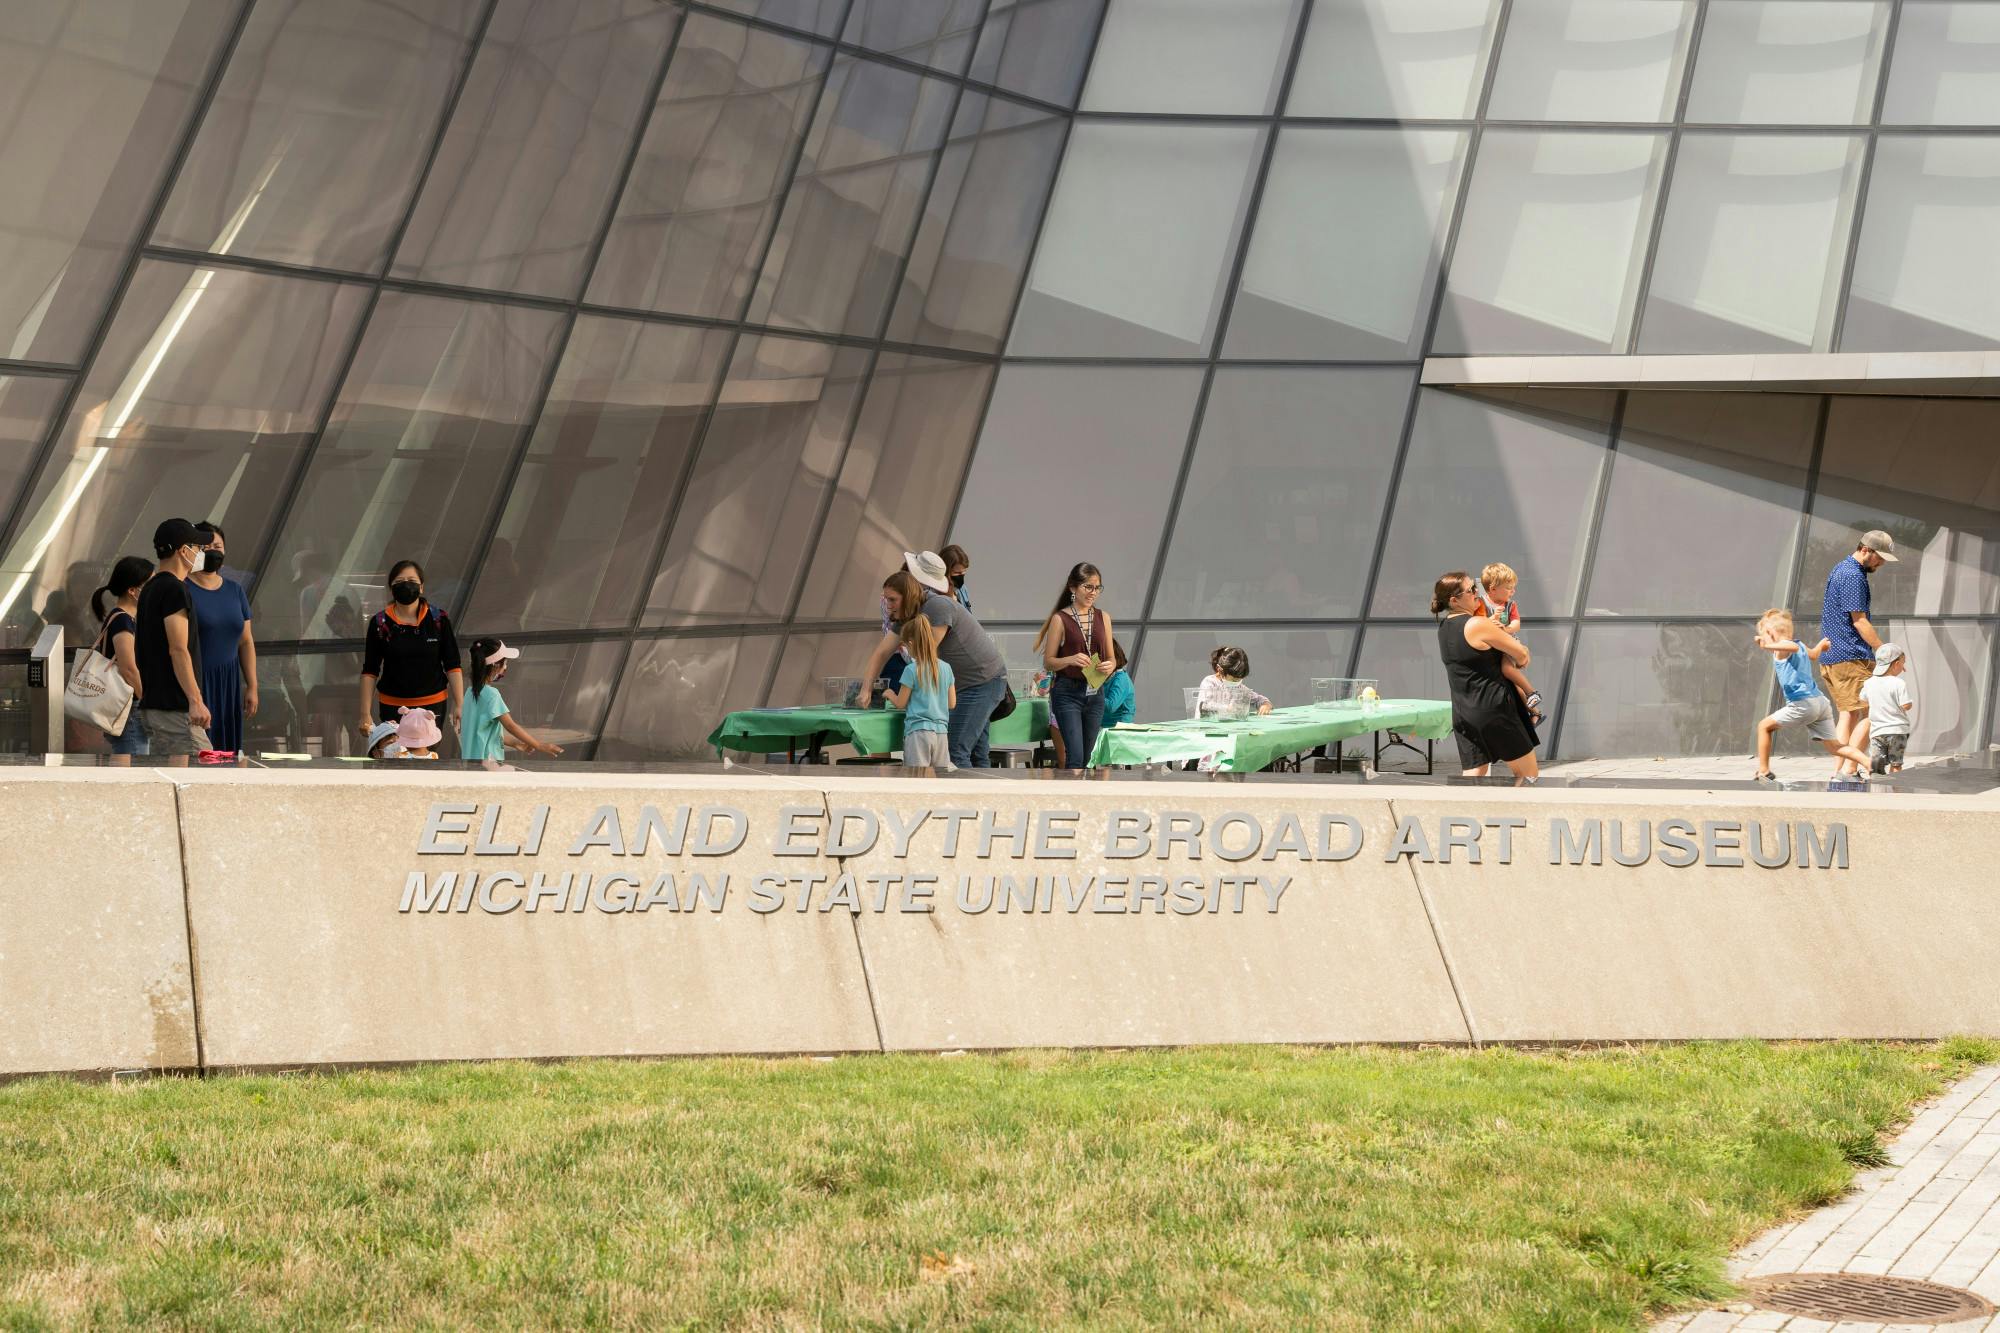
pixel 410 656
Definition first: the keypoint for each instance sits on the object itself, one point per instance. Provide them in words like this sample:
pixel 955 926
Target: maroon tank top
pixel 1074 641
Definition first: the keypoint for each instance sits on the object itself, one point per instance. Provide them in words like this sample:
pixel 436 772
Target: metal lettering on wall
pixel 1034 838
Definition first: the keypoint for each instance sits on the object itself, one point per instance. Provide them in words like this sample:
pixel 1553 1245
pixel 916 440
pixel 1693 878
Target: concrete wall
pixel 868 914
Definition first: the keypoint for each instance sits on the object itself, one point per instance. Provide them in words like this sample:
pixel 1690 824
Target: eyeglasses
pixel 1090 587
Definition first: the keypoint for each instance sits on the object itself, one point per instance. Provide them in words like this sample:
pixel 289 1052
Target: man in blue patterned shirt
pixel 1843 619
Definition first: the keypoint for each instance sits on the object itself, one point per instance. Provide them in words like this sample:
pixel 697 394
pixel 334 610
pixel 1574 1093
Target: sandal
pixel 1534 706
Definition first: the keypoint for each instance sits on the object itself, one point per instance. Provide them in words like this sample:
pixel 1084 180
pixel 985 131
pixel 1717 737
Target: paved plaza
pixel 1933 1214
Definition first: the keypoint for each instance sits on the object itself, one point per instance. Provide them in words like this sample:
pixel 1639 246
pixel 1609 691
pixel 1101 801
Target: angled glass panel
pixel 1949 663
pixel 1074 464
pixel 1344 257
pixel 810 658
pixel 897 481
pixel 208 387
pixel 1755 237
pixel 1283 663
pixel 822 18
pixel 524 176
pixel 1284 499
pixel 1669 689
pixel 1037 48
pixel 854 202
pixel 411 462
pixel 1135 255
pixel 1191 56
pixel 937 33
pixel 317 135
pixel 1925 471
pixel 306 703
pixel 27 405
pixel 1510 477
pixel 1551 243
pixel 675 690
pixel 1407 663
pixel 1719 477
pixel 1924 280
pixel 1946 70
pixel 576 540
pixel 971 248
pixel 742 529
pixel 1788 62
pixel 94 94
pixel 1592 60
pixel 698 209
pixel 1407 59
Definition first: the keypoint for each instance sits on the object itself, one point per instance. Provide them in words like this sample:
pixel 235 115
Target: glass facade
pixel 657 330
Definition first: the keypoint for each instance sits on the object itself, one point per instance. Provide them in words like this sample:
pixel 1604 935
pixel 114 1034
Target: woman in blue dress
pixel 228 651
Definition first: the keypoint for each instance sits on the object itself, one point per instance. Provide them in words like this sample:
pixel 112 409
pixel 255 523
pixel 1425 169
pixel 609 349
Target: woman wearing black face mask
pixel 410 659
pixel 228 649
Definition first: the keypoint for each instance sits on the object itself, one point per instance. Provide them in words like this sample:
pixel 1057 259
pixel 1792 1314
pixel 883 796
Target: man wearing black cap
pixel 169 649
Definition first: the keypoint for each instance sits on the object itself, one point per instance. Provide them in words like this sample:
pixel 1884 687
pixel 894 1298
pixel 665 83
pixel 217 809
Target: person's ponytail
pixel 129 573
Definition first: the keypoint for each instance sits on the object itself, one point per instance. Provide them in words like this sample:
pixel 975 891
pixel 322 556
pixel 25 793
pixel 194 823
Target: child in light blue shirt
pixel 1120 701
pixel 485 727
pixel 928 695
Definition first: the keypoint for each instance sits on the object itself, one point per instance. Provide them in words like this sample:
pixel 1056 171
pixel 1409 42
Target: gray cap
pixel 1887 656
pixel 1881 543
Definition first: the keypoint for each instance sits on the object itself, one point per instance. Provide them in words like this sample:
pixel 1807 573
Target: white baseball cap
pixel 1887 656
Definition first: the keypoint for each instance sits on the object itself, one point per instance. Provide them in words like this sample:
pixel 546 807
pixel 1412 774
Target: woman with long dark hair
pixel 120 634
pixel 409 654
pixel 228 648
pixel 1074 642
pixel 1488 718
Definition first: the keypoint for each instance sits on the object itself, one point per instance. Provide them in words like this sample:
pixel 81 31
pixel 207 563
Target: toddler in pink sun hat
pixel 417 732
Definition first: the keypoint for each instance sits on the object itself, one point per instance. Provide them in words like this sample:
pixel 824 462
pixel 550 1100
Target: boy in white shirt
pixel 1889 702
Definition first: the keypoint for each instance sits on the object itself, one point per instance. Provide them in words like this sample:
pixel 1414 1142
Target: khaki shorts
pixel 1844 681
pixel 172 733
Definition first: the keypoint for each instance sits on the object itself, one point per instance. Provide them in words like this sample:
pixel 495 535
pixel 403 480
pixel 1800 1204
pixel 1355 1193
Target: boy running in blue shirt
pixel 1804 704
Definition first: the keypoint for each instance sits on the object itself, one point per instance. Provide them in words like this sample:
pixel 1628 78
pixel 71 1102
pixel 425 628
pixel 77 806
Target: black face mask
pixel 211 561
pixel 958 580
pixel 407 591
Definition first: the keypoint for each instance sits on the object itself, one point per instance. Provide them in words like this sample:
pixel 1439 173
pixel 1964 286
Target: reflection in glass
pixel 1409 59
pixel 1192 56
pixel 1933 204
pixel 1592 60
pixel 1037 48
pixel 704 191
pixel 1135 253
pixel 1285 495
pixel 1670 690
pixel 1551 242
pixel 208 386
pixel 27 402
pixel 1925 471
pixel 822 18
pixel 318 132
pixel 1946 70
pixel 971 248
pixel 306 703
pixel 770 455
pixel 1283 663
pixel 575 544
pixel 854 201
pixel 1505 476
pixel 675 690
pixel 937 33
pixel 94 94
pixel 1788 62
pixel 1947 672
pixel 1408 663
pixel 1750 254
pixel 1345 253
pixel 1074 464
pixel 897 481
pixel 1703 513
pixel 411 462
pixel 809 658
pixel 525 173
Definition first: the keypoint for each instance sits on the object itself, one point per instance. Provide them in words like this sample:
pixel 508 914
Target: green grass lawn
pixel 1237 1187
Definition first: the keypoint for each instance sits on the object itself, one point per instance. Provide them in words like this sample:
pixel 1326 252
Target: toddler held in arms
pixel 1497 585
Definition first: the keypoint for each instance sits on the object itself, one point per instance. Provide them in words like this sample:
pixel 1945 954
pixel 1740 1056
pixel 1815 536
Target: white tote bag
pixel 97 693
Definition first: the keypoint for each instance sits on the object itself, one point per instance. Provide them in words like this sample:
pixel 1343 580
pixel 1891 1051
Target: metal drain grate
pixel 1865 1297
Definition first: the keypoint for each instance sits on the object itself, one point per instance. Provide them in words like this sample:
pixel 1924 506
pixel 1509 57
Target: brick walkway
pixel 1933 1213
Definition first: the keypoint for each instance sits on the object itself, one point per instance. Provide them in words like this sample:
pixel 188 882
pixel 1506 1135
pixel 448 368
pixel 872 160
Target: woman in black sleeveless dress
pixel 1487 717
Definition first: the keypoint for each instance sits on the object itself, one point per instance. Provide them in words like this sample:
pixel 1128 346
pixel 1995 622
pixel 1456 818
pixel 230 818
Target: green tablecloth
pixel 1251 744
pixel 868 730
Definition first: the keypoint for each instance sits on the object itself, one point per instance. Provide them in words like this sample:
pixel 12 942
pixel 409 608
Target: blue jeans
pixel 132 740
pixel 1079 716
pixel 969 722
